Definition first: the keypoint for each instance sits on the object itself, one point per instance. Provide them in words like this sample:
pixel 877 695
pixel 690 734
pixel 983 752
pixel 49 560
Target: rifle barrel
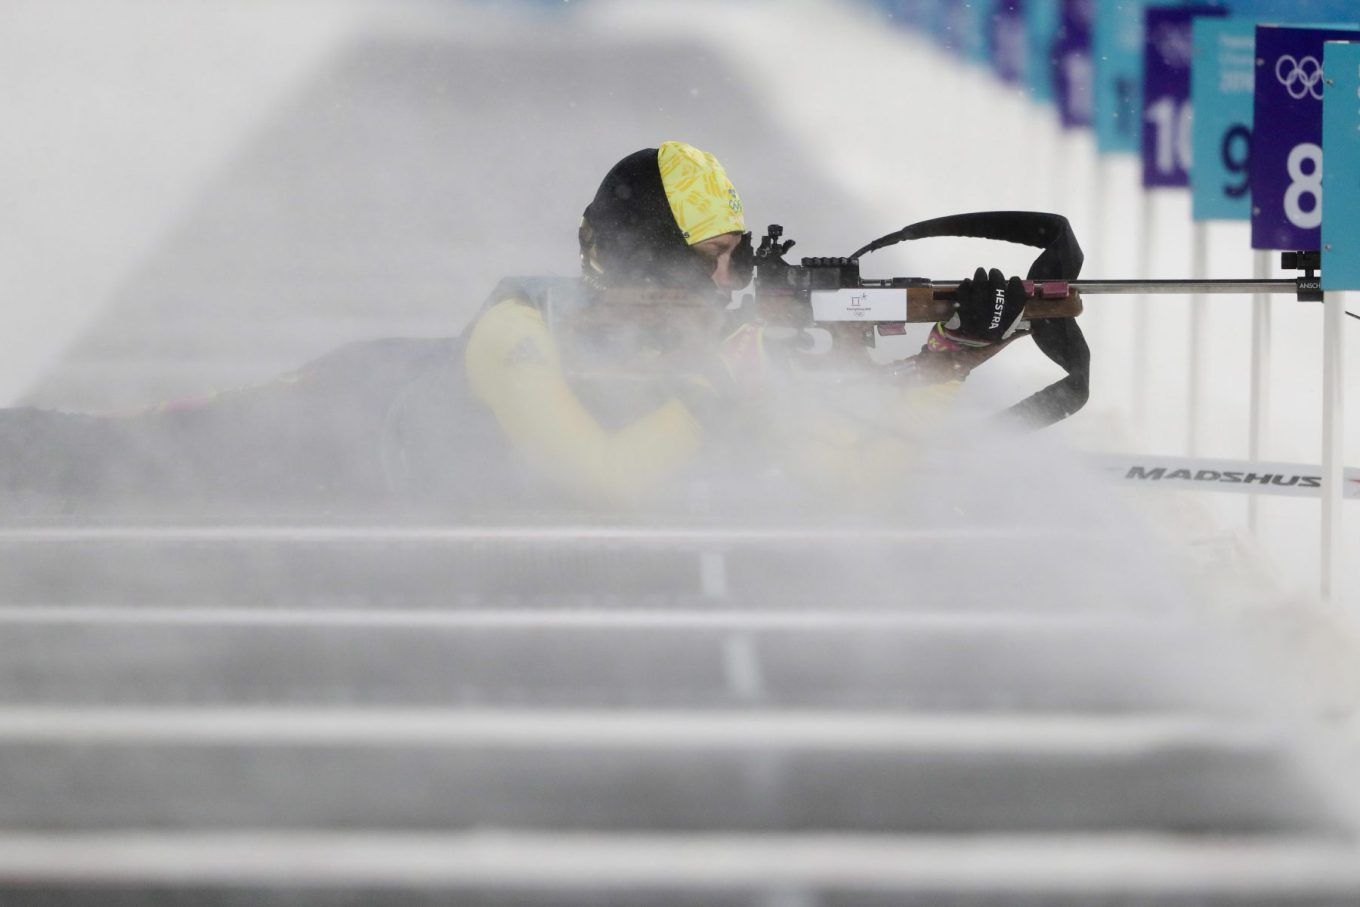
pixel 1143 287
pixel 1184 286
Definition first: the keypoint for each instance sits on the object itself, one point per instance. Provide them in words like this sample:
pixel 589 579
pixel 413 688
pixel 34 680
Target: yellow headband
pixel 702 198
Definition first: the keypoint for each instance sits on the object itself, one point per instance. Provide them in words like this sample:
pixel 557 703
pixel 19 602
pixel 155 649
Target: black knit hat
pixel 629 236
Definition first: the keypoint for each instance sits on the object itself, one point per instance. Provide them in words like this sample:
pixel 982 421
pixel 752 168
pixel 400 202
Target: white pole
pixel 1055 161
pixel 1142 330
pixel 1260 373
pixel 1333 433
pixel 1099 202
pixel 1095 252
pixel 1199 269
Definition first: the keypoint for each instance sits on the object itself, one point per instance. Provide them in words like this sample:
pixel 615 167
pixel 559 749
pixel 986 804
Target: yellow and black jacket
pixel 578 434
pixel 520 411
pixel 615 446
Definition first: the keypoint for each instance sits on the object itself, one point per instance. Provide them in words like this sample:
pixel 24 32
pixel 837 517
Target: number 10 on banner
pixel 1286 158
pixel 1169 122
pixel 1168 116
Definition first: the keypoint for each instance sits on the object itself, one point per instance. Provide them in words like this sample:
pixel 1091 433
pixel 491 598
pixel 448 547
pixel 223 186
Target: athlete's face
pixel 718 250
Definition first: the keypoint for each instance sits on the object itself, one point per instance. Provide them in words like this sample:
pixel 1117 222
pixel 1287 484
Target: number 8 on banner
pixel 1286 159
pixel 1304 166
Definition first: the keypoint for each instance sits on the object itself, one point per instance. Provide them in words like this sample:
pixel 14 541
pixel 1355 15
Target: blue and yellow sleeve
pixel 514 368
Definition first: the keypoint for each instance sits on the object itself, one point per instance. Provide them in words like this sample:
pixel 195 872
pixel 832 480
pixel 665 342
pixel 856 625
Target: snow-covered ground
pixel 120 113
pixel 1037 707
pixel 913 133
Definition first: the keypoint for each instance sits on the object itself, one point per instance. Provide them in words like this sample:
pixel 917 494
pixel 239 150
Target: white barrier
pixel 1234 476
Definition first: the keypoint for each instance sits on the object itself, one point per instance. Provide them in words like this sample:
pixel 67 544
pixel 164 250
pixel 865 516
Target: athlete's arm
pixel 855 458
pixel 515 369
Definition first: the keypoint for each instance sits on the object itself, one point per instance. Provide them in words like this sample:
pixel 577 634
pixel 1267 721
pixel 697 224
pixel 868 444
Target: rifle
pixel 833 290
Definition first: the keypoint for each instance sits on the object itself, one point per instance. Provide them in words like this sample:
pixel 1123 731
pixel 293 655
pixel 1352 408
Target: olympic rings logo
pixel 1301 78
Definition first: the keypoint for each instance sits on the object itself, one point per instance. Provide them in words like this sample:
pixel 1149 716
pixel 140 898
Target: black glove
pixel 989 307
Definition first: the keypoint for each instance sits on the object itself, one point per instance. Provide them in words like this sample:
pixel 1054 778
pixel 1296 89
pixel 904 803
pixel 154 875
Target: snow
pixel 122 112
pixel 116 115
pixel 969 143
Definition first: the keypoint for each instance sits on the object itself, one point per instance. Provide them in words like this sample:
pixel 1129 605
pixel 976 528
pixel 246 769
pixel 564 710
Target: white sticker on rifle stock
pixel 860 305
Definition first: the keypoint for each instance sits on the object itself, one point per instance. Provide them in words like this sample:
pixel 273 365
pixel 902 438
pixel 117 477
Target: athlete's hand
pixel 989 308
pixel 717 384
pixel 744 359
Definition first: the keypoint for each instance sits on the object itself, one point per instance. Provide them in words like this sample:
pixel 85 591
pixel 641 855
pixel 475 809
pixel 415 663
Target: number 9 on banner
pixel 1235 155
pixel 1221 84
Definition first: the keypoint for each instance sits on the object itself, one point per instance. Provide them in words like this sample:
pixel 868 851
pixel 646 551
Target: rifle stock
pixel 929 304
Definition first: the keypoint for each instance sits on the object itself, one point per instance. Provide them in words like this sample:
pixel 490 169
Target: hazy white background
pixel 116 114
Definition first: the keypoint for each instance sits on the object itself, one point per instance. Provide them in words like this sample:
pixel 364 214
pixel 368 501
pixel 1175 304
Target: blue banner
pixel 1117 52
pixel 1042 20
pixel 1167 109
pixel 1294 10
pixel 1341 178
pixel 1286 159
pixel 961 27
pixel 1007 42
pixel 1073 71
pixel 1221 86
pixel 917 14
